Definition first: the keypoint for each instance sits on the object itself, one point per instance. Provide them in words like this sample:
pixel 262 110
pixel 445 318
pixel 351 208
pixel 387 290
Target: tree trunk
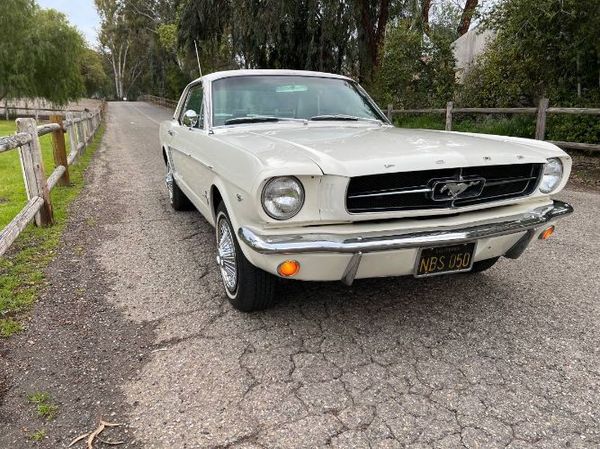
pixel 467 16
pixel 578 76
pixel 371 21
pixel 425 8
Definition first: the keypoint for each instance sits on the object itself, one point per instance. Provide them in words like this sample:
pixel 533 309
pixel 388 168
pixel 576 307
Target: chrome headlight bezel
pixel 552 176
pixel 295 192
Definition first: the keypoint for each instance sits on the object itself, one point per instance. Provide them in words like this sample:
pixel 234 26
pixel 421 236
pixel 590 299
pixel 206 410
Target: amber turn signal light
pixel 547 233
pixel 288 268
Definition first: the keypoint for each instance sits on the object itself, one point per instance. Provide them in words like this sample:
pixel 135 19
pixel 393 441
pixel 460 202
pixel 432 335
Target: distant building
pixel 466 49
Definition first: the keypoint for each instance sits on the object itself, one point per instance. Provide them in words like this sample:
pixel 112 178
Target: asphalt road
pixel 506 359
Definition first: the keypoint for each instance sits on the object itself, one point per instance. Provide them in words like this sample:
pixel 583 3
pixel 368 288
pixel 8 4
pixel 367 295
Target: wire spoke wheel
pixel 247 287
pixel 226 258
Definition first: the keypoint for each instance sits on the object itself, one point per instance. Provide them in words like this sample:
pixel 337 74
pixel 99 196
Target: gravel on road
pixel 134 328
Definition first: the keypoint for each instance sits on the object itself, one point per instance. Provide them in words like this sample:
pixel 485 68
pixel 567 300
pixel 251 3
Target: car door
pixel 193 172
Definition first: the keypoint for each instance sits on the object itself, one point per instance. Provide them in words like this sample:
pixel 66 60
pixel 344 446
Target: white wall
pixel 467 47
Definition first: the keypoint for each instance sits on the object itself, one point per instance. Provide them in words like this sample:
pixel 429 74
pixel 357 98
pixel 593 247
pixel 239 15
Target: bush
pixel 573 128
pixel 416 70
pixel 542 48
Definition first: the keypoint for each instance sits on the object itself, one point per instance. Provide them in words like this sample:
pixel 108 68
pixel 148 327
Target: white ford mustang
pixel 304 178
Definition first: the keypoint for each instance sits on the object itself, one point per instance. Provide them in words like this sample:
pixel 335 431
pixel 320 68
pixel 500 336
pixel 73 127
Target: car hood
pixel 366 149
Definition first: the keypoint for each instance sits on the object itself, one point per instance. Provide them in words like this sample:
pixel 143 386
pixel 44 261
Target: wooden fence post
pixel 72 134
pixel 33 171
pixel 59 150
pixel 88 127
pixel 449 107
pixel 81 134
pixel 390 108
pixel 540 125
pixel 88 121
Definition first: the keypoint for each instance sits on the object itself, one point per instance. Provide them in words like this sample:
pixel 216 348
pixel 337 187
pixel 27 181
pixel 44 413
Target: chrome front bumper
pixel 365 243
pixel 359 244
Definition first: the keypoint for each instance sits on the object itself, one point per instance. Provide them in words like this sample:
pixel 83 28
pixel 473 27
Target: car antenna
pixel 198 58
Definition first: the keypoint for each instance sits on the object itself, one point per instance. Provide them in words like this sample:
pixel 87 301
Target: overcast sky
pixel 81 13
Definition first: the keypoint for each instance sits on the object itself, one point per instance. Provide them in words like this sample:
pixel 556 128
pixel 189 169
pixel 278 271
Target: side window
pixel 195 103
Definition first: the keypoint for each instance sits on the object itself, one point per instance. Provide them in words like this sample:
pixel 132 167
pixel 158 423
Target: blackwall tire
pixel 248 288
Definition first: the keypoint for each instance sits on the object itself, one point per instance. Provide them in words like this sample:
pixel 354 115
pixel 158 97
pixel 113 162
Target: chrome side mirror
pixel 190 118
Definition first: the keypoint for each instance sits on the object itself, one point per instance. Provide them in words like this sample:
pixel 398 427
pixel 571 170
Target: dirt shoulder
pixel 586 172
pixel 77 348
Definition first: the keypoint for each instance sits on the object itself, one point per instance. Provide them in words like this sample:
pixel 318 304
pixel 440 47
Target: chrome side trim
pixel 373 242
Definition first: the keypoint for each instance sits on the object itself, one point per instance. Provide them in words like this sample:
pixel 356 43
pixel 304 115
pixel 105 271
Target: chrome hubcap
pixel 226 256
pixel 169 180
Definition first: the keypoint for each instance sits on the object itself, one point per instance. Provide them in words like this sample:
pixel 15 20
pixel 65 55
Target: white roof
pixel 246 72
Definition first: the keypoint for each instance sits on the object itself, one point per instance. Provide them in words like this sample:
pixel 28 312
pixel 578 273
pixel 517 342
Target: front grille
pixel 415 190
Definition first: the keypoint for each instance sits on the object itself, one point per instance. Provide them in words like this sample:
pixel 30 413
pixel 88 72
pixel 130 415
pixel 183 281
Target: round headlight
pixel 553 173
pixel 283 197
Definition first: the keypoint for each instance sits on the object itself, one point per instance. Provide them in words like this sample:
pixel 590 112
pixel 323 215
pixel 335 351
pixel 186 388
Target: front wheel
pixel 248 288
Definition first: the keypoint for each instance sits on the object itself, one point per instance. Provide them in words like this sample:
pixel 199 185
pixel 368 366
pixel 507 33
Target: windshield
pixel 255 98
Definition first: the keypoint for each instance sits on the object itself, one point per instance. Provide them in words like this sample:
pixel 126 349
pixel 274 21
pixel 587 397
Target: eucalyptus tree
pixel 371 20
pixel 330 35
pixel 300 34
pixel 125 42
pixel 114 39
pixel 343 36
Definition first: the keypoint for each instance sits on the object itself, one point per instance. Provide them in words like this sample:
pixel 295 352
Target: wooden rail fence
pixel 541 113
pixel 81 128
pixel 159 101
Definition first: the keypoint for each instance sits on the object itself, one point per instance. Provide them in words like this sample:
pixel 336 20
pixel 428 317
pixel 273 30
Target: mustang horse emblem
pixel 454 189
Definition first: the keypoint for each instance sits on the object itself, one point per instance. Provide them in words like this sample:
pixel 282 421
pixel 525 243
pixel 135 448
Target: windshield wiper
pixel 236 120
pixel 345 117
pixel 260 119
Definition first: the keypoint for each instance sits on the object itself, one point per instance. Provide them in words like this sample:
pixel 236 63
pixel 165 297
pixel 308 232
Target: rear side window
pixel 195 103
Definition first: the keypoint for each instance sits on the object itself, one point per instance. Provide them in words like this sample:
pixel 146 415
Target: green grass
pixel 9 326
pixel 38 435
pixel 558 127
pixel 44 406
pixel 516 126
pixel 21 269
pixel 12 188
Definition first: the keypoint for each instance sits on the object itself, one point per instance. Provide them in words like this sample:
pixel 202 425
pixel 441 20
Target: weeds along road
pixel 134 328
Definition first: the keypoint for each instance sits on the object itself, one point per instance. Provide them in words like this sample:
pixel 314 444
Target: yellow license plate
pixel 445 259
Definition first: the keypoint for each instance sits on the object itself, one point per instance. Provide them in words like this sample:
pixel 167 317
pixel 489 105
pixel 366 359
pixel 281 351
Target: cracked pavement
pixel 505 359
